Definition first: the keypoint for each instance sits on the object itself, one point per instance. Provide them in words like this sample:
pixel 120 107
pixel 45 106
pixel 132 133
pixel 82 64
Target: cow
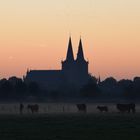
pixel 33 108
pixel 82 108
pixel 126 108
pixel 102 108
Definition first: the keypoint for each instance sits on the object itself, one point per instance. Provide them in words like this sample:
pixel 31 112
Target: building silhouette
pixel 74 72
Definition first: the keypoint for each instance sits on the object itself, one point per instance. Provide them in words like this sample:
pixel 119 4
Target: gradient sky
pixel 34 34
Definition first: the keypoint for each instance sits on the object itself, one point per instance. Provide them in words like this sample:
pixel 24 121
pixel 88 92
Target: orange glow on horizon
pixel 34 34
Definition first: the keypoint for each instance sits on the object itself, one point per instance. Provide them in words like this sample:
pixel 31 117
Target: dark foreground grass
pixel 70 127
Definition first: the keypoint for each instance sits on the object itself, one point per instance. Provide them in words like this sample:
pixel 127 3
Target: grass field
pixel 70 127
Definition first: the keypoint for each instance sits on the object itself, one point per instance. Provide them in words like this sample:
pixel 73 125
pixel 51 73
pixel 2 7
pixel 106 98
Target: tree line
pixel 17 88
pixel 110 87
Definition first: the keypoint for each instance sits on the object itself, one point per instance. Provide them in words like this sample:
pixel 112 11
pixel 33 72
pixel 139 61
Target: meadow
pixel 80 126
pixel 62 121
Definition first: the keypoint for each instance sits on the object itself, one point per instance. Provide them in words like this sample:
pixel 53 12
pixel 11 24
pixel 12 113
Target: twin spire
pixel 80 54
pixel 70 56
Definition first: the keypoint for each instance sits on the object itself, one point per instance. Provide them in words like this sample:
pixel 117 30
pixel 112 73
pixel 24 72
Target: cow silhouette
pixel 82 108
pixel 102 108
pixel 33 108
pixel 126 108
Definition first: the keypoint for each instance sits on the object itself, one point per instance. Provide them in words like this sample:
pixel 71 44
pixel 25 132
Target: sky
pixel 34 35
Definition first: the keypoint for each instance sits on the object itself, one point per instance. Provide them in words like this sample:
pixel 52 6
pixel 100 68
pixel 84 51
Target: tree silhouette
pixel 91 89
pixel 6 88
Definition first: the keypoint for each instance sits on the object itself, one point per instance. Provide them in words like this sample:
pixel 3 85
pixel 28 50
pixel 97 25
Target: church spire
pixel 70 56
pixel 80 54
pixel 99 80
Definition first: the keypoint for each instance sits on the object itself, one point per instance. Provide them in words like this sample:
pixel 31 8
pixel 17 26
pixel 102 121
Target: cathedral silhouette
pixel 74 72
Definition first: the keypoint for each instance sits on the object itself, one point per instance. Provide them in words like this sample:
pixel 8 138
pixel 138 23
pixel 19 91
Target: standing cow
pixel 102 108
pixel 82 108
pixel 126 108
pixel 33 108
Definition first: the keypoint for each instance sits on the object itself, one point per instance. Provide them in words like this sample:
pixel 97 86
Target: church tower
pixel 75 71
pixel 81 65
pixel 70 56
pixel 80 54
pixel 69 64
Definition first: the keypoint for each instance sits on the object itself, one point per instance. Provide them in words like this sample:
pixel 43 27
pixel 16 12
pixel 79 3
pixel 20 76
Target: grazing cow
pixel 33 108
pixel 82 108
pixel 126 108
pixel 102 108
